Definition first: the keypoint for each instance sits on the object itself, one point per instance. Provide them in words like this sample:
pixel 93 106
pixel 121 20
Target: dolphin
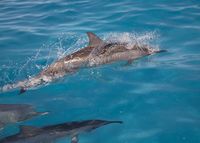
pixel 98 52
pixel 49 134
pixel 13 113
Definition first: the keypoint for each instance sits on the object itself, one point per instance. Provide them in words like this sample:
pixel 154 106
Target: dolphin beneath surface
pixel 49 134
pixel 13 113
pixel 98 52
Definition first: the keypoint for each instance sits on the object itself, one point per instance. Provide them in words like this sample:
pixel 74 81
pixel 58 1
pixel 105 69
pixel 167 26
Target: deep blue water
pixel 157 97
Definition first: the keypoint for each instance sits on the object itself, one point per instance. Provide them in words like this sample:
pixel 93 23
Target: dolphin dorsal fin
pixel 28 129
pixel 94 40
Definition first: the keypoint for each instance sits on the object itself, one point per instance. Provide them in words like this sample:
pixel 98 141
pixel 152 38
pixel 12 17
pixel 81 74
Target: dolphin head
pixel 142 50
pixel 105 52
pixel 126 51
pixel 25 112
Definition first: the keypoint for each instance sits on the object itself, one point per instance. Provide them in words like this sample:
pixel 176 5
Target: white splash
pixel 133 38
pixel 67 43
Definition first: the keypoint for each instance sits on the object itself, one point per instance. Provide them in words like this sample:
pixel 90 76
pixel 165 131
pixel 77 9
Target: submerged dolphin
pixel 12 113
pixel 98 52
pixel 49 134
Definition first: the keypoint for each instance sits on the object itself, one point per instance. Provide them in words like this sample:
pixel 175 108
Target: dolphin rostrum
pixel 98 52
pixel 49 134
pixel 13 113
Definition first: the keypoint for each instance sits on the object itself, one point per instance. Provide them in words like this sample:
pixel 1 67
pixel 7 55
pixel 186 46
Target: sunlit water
pixel 157 97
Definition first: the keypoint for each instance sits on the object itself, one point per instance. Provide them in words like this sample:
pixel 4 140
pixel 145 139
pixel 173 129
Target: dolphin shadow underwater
pixel 50 134
pixel 13 113
pixel 98 52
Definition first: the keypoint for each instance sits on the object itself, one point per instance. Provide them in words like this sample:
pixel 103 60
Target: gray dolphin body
pixel 96 53
pixel 49 134
pixel 12 113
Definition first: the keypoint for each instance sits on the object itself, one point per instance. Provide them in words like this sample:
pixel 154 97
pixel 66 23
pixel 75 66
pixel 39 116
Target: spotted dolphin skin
pixel 50 134
pixel 98 52
pixel 13 113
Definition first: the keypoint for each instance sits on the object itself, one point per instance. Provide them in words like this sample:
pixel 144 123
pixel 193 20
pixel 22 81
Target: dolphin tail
pixel 22 85
pixel 10 87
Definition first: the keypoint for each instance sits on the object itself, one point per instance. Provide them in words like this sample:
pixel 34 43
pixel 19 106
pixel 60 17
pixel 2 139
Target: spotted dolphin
pixel 13 113
pixel 50 134
pixel 98 52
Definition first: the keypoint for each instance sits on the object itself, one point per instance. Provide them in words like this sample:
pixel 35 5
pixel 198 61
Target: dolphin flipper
pixel 1 125
pixel 74 139
pixel 129 62
pixel 22 90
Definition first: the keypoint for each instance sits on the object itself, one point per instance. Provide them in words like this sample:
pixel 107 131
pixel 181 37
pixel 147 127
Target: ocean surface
pixel 157 97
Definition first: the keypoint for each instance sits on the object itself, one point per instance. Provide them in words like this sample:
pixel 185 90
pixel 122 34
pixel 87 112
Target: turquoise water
pixel 157 97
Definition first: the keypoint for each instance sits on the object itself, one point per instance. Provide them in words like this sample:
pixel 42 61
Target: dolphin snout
pixel 160 51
